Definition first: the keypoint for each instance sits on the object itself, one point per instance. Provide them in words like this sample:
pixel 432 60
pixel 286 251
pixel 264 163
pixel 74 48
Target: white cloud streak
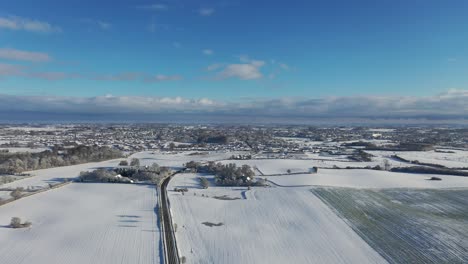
pixel 12 70
pixel 206 11
pixel 7 70
pixel 162 78
pixel 241 71
pixel 154 7
pixel 97 23
pixel 208 52
pixel 14 54
pixel 26 24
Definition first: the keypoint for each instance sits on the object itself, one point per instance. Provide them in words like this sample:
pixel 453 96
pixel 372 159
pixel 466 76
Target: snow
pixel 281 166
pixel 458 159
pixel 272 225
pixel 42 178
pixel 22 150
pixel 361 178
pixel 177 159
pixel 43 128
pixel 83 223
pixel 285 223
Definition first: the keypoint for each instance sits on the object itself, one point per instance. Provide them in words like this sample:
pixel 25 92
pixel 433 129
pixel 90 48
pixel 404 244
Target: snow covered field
pixel 265 225
pixel 405 225
pixel 23 150
pixel 359 178
pixel 176 160
pixel 287 223
pixel 42 178
pixel 83 223
pixel 284 223
pixel 458 159
pixel 281 166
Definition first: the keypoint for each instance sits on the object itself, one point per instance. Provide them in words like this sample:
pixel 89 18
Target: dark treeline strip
pixel 11 163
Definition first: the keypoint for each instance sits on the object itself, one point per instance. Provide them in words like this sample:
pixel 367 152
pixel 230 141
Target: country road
pixel 171 255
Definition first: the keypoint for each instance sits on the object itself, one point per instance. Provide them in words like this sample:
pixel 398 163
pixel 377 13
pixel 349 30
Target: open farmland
pixel 176 160
pixel 42 178
pixel 406 226
pixel 263 225
pixel 83 223
pixel 360 178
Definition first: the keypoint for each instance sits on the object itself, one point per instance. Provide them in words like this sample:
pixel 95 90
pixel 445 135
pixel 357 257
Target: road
pixel 170 247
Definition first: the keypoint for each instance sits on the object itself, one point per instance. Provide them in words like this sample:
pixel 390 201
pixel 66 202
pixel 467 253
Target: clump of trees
pixel 153 174
pixel 361 156
pixel 226 174
pixel 99 175
pixel 123 163
pixel 16 223
pixel 11 163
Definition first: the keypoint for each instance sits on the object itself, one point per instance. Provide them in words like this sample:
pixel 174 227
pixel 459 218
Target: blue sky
pixel 233 50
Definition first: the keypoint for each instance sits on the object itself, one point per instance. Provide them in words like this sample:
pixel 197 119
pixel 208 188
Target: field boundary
pixel 52 187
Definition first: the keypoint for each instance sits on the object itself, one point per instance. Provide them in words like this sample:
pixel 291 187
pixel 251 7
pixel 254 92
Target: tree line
pixel 11 163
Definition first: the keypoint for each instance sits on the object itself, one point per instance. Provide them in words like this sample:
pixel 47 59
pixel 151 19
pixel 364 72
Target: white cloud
pixel 284 66
pixel 104 25
pixel 26 24
pixel 52 75
pixel 206 11
pixel 97 23
pixel 244 58
pixel 125 76
pixel 154 7
pixel 208 52
pixel 9 69
pixel 214 67
pixel 241 71
pixel 248 70
pixel 162 78
pixel 14 54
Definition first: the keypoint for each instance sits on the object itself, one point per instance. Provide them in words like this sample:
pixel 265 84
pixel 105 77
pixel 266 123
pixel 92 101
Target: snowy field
pixel 406 226
pixel 42 178
pixel 83 223
pixel 359 178
pixel 281 166
pixel 23 150
pixel 458 159
pixel 284 223
pixel 176 160
pixel 264 225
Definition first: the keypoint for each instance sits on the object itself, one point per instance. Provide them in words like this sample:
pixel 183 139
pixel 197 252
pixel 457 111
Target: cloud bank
pixel 452 105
